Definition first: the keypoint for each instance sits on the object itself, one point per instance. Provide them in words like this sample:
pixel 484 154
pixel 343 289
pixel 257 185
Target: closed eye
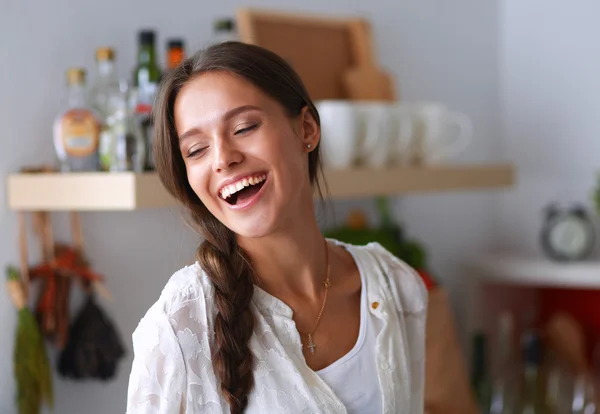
pixel 196 152
pixel 246 130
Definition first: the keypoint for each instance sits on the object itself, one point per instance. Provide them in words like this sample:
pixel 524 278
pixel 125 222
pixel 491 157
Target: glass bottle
pixel 532 399
pixel 104 89
pixel 76 130
pixel 125 144
pixel 146 77
pixel 503 392
pixel 175 53
pixel 480 379
pixel 106 81
pixel 584 398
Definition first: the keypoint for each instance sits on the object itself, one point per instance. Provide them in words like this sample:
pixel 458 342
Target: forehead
pixel 205 98
pixel 214 89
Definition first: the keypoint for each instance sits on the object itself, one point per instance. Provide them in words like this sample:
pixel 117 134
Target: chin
pixel 252 231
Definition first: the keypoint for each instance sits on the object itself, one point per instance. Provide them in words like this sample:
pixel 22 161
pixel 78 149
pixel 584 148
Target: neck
pixel 290 263
pixel 76 96
pixel 146 54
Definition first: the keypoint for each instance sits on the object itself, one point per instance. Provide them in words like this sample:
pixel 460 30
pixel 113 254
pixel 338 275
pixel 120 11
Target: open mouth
pixel 243 190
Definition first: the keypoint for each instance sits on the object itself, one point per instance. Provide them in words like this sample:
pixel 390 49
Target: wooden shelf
pixel 130 191
pixel 86 191
pixel 536 272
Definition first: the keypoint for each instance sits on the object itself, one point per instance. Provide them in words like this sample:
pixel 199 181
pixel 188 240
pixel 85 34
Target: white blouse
pixel 172 369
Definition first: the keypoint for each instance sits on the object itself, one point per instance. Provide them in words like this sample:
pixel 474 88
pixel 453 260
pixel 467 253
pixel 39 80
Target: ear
pixel 310 133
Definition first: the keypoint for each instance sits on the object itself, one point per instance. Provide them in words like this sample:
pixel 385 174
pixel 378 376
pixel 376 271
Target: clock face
pixel 569 236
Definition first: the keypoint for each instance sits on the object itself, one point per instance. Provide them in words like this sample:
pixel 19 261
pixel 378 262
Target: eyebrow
pixel 226 117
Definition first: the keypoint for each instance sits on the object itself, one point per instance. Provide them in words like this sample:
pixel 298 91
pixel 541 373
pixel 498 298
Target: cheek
pixel 197 177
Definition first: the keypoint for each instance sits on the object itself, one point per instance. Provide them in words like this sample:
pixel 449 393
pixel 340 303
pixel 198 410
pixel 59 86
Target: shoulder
pixel 405 283
pixel 186 299
pixel 172 333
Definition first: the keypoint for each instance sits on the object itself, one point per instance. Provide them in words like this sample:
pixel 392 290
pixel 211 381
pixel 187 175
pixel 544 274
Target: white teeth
pixel 229 190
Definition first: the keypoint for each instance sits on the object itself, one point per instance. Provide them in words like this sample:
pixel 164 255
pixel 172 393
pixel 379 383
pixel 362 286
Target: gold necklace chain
pixel 311 344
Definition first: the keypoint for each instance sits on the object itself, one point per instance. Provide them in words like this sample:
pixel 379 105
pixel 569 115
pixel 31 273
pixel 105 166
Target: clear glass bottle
pixel 106 81
pixel 532 398
pixel 584 398
pixel 76 130
pixel 124 146
pixel 104 89
pixel 504 392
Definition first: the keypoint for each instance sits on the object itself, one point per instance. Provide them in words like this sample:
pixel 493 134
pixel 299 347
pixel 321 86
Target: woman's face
pixel 246 159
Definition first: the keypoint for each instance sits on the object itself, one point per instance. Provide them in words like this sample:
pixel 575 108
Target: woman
pixel 272 317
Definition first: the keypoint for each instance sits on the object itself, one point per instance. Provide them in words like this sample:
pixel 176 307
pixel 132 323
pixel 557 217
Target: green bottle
pixel 147 73
pixel 146 77
pixel 480 378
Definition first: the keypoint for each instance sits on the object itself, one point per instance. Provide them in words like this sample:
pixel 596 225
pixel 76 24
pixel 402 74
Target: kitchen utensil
pixel 319 47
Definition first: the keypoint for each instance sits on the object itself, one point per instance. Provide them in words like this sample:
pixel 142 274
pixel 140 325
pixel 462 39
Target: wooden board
pixel 318 47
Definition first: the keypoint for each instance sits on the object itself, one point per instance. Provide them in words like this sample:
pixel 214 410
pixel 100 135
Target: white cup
pixel 385 133
pixel 399 146
pixel 339 132
pixel 439 133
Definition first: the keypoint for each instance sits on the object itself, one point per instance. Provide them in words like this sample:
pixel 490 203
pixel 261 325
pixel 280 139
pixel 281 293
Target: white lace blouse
pixel 172 370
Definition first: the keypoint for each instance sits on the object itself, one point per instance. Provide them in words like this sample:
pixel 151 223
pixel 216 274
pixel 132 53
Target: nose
pixel 226 156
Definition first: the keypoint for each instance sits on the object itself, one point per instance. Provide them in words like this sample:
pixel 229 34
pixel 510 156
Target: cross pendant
pixel 311 345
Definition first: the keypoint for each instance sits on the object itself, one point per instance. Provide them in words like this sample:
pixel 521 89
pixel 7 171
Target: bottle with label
pixel 175 53
pixel 146 77
pixel 77 128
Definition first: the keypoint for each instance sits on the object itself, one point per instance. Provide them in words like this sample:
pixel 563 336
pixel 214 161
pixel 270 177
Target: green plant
pixel 389 234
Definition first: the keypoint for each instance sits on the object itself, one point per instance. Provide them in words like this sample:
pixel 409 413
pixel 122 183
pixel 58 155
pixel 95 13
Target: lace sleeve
pixel 157 378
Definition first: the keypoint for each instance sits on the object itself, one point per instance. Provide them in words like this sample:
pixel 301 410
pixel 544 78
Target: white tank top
pixel 353 378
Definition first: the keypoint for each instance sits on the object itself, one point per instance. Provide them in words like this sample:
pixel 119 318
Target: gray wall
pixel 439 50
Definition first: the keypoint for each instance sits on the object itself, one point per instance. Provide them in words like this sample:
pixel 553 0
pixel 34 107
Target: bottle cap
pixel 105 53
pixel 532 348
pixel 146 37
pixel 76 76
pixel 225 24
pixel 175 44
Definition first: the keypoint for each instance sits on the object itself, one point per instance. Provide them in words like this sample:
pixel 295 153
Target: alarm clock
pixel 568 234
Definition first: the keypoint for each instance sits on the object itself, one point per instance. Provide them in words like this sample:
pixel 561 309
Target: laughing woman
pixel 272 317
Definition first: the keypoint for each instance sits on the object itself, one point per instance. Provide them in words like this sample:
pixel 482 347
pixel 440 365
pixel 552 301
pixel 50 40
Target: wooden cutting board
pixel 368 83
pixel 365 80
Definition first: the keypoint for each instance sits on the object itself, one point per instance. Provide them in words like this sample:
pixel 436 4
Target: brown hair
pixel 224 261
